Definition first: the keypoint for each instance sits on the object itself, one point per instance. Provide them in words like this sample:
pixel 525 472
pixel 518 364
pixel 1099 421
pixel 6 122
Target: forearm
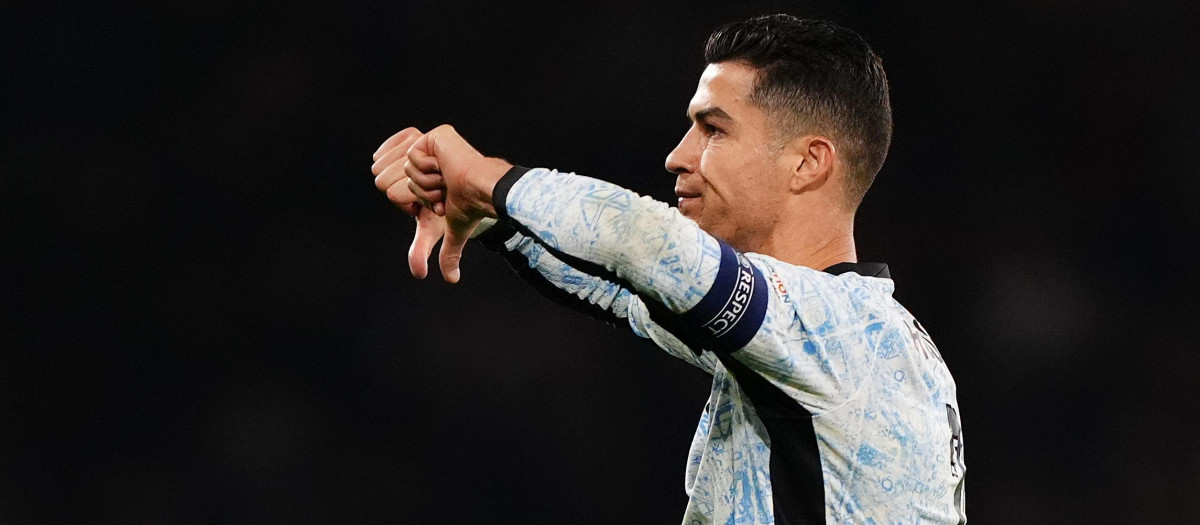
pixel 585 293
pixel 659 253
pixel 588 294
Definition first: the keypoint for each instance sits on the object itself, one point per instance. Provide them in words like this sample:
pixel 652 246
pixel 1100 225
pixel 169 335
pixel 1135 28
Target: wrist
pixel 482 180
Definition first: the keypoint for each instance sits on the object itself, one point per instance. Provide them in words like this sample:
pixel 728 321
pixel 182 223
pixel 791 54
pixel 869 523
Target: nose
pixel 685 157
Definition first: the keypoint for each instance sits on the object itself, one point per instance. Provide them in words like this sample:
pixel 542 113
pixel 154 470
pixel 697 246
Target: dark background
pixel 208 316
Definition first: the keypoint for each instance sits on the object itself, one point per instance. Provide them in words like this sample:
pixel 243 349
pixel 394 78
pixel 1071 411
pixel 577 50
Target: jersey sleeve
pixel 690 288
pixel 588 294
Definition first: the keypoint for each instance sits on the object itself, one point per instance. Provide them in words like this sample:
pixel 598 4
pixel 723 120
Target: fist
pixel 390 177
pixel 445 183
pixel 442 166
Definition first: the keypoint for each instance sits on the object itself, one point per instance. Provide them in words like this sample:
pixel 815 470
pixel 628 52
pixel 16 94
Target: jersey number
pixel 957 467
pixel 923 342
pixel 956 444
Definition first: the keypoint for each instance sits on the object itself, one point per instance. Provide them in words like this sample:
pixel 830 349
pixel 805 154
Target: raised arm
pixel 694 288
pixel 691 282
pixel 586 293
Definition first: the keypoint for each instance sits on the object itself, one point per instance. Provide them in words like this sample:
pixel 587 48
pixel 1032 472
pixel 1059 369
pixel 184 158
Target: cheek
pixel 741 181
pixel 723 168
pixel 735 175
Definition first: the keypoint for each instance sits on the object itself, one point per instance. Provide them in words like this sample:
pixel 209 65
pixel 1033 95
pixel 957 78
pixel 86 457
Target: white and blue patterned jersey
pixel 829 403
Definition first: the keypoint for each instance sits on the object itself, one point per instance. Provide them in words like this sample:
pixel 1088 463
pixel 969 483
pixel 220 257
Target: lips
pixel 687 199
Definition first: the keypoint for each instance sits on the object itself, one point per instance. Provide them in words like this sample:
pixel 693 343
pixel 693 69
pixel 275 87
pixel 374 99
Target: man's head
pixel 786 106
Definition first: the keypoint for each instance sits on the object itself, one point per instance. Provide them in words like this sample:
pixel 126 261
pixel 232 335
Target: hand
pixel 390 179
pixel 443 166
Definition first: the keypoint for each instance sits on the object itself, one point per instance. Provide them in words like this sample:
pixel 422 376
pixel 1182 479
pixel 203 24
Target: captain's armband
pixel 732 311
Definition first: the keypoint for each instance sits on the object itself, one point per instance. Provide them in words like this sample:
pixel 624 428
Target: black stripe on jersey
pixel 726 318
pixel 797 481
pixel 500 202
pixel 730 313
pixel 495 238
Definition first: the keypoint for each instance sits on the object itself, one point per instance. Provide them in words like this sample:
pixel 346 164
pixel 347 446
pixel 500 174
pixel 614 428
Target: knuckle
pixel 384 179
pixel 399 194
pixel 380 165
pixel 386 176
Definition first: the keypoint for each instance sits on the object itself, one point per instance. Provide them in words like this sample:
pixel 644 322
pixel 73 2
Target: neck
pixel 817 239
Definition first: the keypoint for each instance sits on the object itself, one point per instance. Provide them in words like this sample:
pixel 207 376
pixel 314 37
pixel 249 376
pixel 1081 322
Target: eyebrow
pixel 711 112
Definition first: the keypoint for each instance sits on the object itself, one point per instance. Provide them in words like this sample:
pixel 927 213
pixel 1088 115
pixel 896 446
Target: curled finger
pixel 394 156
pixel 421 160
pixel 426 197
pixel 429 180
pixel 400 195
pixel 390 176
pixel 407 134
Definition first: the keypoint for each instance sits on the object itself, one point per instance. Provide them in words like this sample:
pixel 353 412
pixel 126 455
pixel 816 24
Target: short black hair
pixel 815 76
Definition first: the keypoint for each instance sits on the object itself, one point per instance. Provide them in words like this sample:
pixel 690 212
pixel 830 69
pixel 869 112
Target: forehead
pixel 724 84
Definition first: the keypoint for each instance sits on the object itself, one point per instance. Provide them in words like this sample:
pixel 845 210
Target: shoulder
pixel 824 298
pixel 787 277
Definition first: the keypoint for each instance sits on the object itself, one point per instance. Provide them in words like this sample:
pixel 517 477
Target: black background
pixel 208 316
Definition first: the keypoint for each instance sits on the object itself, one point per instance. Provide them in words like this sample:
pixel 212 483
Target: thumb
pixel 452 249
pixel 444 148
pixel 429 230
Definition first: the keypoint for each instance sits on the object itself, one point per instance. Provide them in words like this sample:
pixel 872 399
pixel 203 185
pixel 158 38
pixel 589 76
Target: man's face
pixel 729 180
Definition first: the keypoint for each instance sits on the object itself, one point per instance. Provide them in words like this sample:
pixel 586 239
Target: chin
pixel 708 228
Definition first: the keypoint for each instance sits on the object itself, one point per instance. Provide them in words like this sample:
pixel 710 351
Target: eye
pixel 711 130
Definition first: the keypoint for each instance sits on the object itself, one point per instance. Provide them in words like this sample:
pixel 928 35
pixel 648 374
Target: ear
pixel 812 158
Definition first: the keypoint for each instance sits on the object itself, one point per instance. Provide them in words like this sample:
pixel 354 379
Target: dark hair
pixel 815 76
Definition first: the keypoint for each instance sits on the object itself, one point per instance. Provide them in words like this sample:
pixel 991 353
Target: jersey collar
pixel 863 269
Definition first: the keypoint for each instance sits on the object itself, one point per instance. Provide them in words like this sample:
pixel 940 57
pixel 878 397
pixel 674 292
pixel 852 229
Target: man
pixel 830 403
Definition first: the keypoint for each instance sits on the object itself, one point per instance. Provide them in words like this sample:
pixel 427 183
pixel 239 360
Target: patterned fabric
pixel 882 400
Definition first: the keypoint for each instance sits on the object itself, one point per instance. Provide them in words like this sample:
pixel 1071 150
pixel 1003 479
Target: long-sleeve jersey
pixel 829 404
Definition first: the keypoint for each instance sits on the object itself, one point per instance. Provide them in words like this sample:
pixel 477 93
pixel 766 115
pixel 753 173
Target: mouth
pixel 687 199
